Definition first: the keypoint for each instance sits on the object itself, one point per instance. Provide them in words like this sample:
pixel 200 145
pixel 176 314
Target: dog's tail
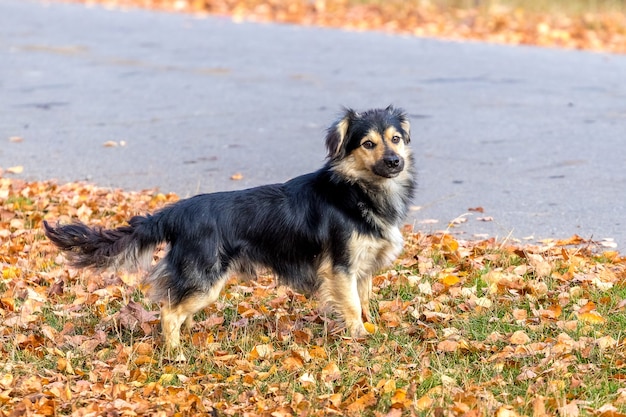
pixel 128 246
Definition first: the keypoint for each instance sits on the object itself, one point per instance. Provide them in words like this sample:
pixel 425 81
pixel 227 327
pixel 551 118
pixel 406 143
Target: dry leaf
pixel 424 403
pixel 370 327
pixel 591 318
pixel 261 352
pixel 18 169
pixel 97 328
pixel 569 410
pixel 237 176
pixel 450 280
pixel 307 380
pixel 506 411
pixel 539 407
pixel 361 404
pixel 447 346
pixel 331 372
pixel 519 338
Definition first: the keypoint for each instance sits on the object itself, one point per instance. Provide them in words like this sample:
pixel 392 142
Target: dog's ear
pixel 337 133
pixel 406 126
pixel 403 119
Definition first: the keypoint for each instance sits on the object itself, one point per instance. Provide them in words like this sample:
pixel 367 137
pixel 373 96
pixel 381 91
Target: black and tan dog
pixel 322 233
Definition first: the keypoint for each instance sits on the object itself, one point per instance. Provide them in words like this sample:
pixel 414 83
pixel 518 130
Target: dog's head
pixel 371 145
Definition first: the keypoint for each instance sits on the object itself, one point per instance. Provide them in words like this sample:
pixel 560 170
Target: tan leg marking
pixel 173 316
pixel 340 291
pixel 364 286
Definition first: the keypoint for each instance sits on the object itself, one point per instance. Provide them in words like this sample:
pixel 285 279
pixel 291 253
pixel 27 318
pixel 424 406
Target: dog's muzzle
pixel 390 165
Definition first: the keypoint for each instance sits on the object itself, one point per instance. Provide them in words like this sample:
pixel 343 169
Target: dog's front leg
pixel 341 291
pixel 364 285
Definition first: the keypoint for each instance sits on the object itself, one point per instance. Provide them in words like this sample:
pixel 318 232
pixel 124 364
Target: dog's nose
pixel 392 161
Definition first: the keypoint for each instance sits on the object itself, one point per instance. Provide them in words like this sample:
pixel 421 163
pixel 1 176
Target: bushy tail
pixel 125 246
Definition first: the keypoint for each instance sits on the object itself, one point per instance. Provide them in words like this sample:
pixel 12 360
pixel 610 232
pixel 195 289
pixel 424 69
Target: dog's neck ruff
pixel 383 202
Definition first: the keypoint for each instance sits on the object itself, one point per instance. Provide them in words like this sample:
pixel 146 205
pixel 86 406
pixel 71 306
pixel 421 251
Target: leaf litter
pixel 587 25
pixel 464 328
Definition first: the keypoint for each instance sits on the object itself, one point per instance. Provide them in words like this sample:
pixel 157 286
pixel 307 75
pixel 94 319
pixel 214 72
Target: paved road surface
pixel 537 137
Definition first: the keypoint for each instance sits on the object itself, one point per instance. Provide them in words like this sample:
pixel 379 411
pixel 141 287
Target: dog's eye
pixel 368 144
pixel 396 139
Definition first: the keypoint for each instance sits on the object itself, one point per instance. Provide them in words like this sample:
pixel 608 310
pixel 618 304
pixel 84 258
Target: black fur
pixel 289 228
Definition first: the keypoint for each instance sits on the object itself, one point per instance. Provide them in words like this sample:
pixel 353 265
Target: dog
pixel 322 233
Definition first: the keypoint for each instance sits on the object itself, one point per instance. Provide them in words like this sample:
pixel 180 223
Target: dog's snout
pixel 392 161
pixel 390 165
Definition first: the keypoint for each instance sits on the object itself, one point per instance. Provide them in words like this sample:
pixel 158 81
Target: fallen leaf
pixel 519 338
pixel 450 280
pixel 539 407
pixel 506 411
pixel 400 400
pixel 587 307
pixel 370 327
pixel 569 410
pixel 18 169
pixel 447 346
pixel 361 404
pixel 261 352
pixel 591 318
pixel 424 403
pixel 331 372
pixel 307 380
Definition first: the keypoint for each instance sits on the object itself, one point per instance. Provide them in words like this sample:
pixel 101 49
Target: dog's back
pixel 323 232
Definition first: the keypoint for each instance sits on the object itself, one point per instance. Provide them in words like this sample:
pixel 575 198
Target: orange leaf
pixel 449 243
pixel 144 359
pixel 400 400
pixel 505 411
pixel 370 327
pixel 587 307
pixel 447 346
pixel 331 372
pixel 424 403
pixel 261 352
pixel 389 386
pixel 591 318
pixel 361 404
pixel 574 240
pixel 539 407
pixel 293 363
pixel 519 338
pixel 450 280
pixel 390 319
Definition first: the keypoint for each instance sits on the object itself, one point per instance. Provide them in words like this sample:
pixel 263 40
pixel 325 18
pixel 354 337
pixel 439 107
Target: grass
pixel 462 327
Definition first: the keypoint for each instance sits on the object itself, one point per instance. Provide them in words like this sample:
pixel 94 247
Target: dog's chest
pixel 370 253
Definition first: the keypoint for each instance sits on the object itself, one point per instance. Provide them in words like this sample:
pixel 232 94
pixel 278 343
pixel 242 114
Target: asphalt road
pixel 537 137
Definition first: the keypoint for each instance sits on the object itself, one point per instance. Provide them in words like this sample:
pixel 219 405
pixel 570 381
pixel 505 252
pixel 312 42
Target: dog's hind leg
pixel 341 291
pixel 174 315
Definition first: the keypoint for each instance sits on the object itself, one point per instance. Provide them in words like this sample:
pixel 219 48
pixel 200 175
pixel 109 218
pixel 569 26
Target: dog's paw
pixel 174 357
pixel 358 331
